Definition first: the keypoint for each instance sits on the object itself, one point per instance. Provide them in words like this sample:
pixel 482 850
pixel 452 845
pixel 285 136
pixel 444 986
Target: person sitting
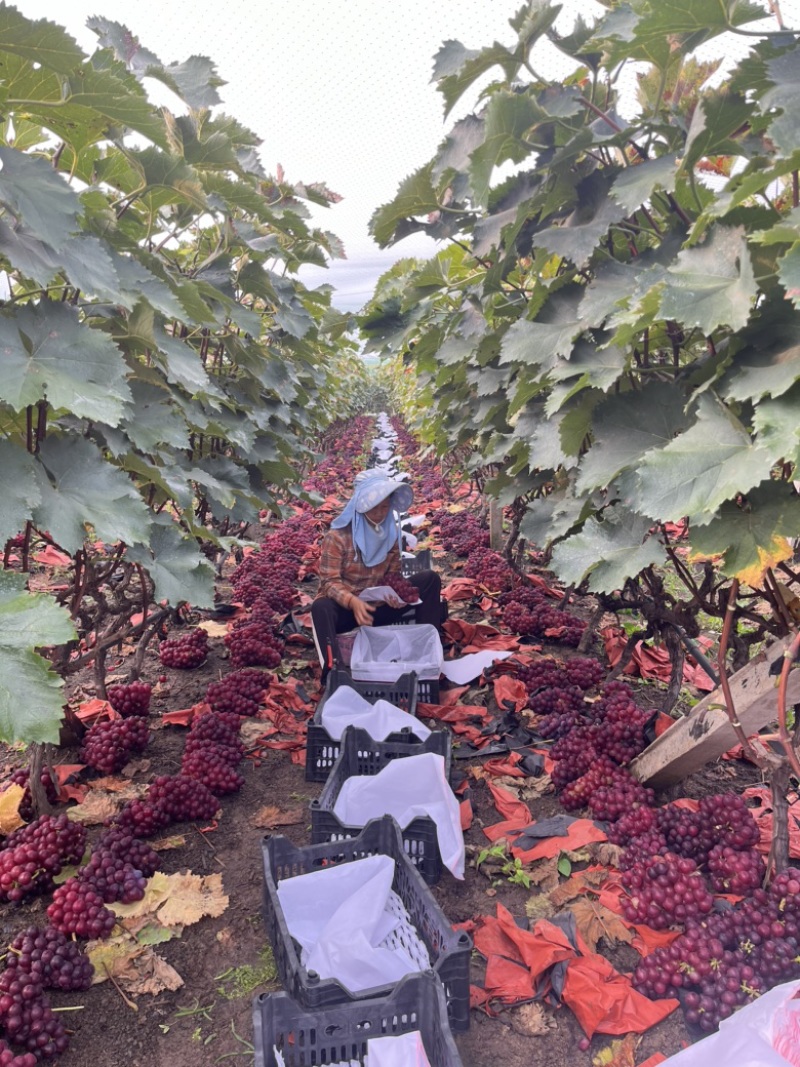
pixel 361 547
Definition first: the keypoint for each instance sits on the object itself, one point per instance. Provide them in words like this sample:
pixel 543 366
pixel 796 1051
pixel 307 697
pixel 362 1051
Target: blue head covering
pixel 372 487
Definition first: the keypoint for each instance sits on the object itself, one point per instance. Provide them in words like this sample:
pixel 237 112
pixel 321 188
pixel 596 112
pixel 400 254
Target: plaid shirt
pixel 342 574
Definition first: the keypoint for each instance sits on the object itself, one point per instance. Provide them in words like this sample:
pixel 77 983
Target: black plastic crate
pixel 360 755
pixel 322 750
pixel 415 564
pixel 449 949
pixel 339 1034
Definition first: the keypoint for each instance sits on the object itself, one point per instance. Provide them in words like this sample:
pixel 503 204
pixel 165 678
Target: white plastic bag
pixel 407 789
pixel 405 1050
pixel 383 653
pixel 764 1033
pixel 346 707
pixel 342 916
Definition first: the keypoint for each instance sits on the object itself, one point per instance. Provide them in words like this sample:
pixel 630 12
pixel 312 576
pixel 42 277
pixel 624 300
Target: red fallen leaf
pixel 461 589
pixel 579 833
pixel 51 557
pixel 64 771
pixel 452 696
pixel 505 766
pixel 542 585
pixel 663 723
pixel 299 639
pixel 185 716
pixel 605 1002
pixel 516 814
pixel 465 808
pixel 95 710
pixel 510 692
pixel 648 940
pixel 654 1060
pixel 73 792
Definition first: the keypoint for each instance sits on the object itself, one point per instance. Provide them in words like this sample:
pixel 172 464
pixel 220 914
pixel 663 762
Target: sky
pixel 338 90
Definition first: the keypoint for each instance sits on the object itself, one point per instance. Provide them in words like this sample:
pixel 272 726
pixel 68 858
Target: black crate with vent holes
pixel 322 750
pixel 449 949
pixel 360 755
pixel 339 1034
pixel 416 564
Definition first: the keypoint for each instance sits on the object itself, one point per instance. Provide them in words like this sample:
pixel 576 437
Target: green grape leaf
pixel 770 362
pixel 697 472
pixel 583 229
pixel 507 119
pixel 784 129
pixel 80 490
pixel 174 562
pixel 415 196
pixel 711 285
pixel 551 517
pixel 608 552
pixel 627 426
pixel 153 420
pixel 455 68
pixel 718 116
pixel 38 41
pixel 37 196
pixel 31 698
pixel 635 185
pixel 778 428
pixel 18 489
pixel 49 354
pixel 789 273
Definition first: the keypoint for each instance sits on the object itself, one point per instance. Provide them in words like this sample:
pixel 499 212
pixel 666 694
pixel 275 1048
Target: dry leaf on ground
pixel 606 853
pixel 531 1020
pixel 578 884
pixel 10 800
pixel 212 628
pixel 96 808
pixel 135 968
pixel 175 900
pixel 595 922
pixel 545 874
pixel 165 844
pixel 272 815
pixel 539 907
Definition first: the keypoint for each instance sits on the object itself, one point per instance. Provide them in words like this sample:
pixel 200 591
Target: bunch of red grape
pixel 28 1019
pixel 611 803
pixel 222 727
pixel 407 592
pixel 169 799
pixel 51 959
pixel 34 854
pixel 519 619
pixel 185 652
pixel 601 772
pixel 122 843
pixel 78 909
pixel 108 746
pixel 461 532
pixel 254 644
pixel 212 766
pixel 729 957
pixel 238 692
pixel 664 890
pixel 130 699
pixel 113 878
pixel 490 569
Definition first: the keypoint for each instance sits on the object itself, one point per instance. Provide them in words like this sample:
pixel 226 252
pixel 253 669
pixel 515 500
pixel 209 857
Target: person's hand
pixel 363 612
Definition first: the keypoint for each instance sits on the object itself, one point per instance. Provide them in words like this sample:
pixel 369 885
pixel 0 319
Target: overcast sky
pixel 339 90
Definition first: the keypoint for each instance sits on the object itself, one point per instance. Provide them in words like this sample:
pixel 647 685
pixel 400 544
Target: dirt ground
pixel 209 1019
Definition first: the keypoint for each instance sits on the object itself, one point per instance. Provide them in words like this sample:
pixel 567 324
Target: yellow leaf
pixel 213 629
pixel 10 800
pixel 539 907
pixel 595 922
pixel 780 550
pixel 193 897
pixel 135 968
pixel 618 1053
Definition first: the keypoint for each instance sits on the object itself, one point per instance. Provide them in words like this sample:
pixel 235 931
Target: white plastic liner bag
pixel 405 1050
pixel 383 653
pixel 351 925
pixel 407 788
pixel 345 707
pixel 764 1033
